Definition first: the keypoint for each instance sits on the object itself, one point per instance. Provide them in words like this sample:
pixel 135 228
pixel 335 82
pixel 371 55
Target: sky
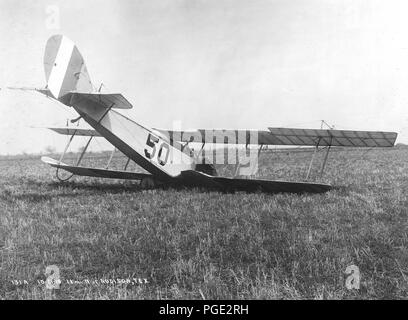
pixel 212 64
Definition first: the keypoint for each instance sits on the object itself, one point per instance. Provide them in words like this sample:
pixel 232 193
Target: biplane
pixel 166 155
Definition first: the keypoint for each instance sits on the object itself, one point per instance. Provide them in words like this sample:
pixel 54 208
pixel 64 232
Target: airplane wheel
pixel 147 183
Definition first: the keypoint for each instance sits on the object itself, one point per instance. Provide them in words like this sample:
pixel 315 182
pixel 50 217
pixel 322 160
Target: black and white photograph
pixel 203 150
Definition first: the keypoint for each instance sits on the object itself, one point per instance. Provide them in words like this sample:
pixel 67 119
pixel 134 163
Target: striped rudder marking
pixel 64 67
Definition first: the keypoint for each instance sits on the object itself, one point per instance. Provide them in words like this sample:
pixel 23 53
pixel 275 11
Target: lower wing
pixel 196 178
pixel 95 172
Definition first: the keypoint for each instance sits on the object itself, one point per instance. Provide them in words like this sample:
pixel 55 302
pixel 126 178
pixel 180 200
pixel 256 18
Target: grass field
pixel 195 244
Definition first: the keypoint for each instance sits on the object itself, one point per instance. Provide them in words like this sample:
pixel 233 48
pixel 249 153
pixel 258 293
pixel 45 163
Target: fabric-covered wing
pixel 95 172
pixel 287 136
pixel 342 138
pixel 221 136
pixel 69 131
pixel 195 178
pixel 113 100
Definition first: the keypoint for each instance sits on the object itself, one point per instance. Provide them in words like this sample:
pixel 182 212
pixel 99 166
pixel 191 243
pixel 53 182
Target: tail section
pixel 65 68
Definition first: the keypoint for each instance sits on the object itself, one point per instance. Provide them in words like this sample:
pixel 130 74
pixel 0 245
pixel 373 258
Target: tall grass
pixel 197 244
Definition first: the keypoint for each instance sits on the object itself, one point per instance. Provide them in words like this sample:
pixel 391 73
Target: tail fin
pixel 65 68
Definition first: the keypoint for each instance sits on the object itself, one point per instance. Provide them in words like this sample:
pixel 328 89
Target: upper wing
pixel 343 138
pixel 288 137
pixel 221 136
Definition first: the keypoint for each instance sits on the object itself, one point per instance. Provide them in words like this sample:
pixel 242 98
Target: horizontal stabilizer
pixel 94 172
pixel 272 186
pixel 105 100
pixel 77 131
pixel 341 138
pixel 44 91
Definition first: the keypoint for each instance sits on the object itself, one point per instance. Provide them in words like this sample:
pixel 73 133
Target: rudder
pixel 64 67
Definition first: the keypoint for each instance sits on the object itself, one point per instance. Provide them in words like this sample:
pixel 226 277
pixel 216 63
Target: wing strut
pixel 110 158
pixel 79 158
pixel 62 156
pixel 83 151
pixel 126 165
pixel 260 149
pixel 105 113
pixel 325 158
pixel 313 156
